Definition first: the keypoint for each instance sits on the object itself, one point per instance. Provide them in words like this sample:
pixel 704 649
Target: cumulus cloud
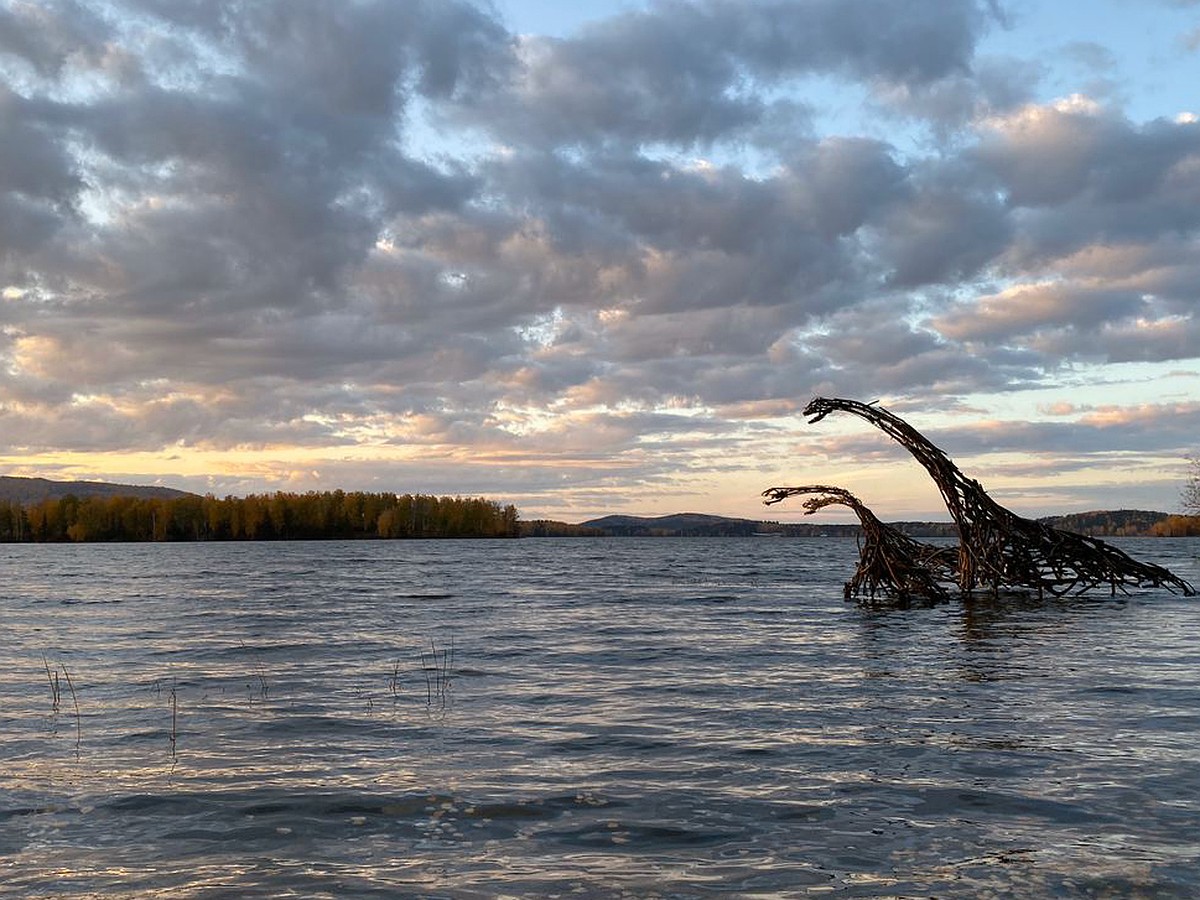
pixel 693 72
pixel 1075 149
pixel 1029 308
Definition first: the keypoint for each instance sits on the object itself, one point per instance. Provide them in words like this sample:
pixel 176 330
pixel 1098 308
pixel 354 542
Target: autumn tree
pixel 278 516
pixel 1177 526
pixel 13 524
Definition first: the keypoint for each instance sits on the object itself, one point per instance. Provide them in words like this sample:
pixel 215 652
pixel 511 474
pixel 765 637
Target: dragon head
pixel 818 408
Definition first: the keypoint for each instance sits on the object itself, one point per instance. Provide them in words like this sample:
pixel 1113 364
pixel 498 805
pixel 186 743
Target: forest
pixel 279 516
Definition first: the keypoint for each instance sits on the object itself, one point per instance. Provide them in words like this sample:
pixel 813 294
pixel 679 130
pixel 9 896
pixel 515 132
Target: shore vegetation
pixel 258 517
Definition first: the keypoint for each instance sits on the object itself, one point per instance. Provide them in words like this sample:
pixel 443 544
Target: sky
pixel 596 257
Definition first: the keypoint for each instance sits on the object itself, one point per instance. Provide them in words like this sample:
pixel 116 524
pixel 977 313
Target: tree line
pixel 257 517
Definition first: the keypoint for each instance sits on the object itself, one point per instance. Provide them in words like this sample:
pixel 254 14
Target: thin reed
pixel 174 721
pixel 438 667
pixel 55 690
pixel 260 673
pixel 75 701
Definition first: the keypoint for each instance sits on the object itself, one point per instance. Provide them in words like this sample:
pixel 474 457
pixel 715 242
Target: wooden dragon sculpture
pixel 999 549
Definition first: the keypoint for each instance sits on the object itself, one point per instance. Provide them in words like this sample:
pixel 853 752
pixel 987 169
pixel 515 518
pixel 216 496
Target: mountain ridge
pixel 1111 523
pixel 19 489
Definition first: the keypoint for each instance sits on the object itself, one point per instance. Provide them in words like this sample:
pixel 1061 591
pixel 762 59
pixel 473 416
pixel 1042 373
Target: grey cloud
pixel 640 80
pixel 237 191
pixel 783 385
pixel 1047 156
pixel 270 199
pixel 1050 235
pixel 38 183
pixel 32 162
pixel 155 424
pixel 683 73
pixel 1128 341
pixel 916 41
pixel 841 184
pixel 873 337
pixel 875 350
pixel 1025 311
pixel 734 332
pixel 1113 238
pixel 1091 55
pixel 24 224
pixel 949 229
pixel 349 58
pixel 687 240
pixel 1159 427
pixel 49 34
pixel 952 102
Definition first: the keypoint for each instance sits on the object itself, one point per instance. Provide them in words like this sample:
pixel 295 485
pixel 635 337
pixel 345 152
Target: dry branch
pixel 890 563
pixel 998 548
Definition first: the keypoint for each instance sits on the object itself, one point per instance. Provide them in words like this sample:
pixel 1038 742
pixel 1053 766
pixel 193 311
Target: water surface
pixel 582 718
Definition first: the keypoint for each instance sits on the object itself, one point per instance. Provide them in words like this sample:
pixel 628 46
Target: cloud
pixel 1076 150
pixel 1029 308
pixel 991 86
pixel 692 73
pixel 38 186
pixel 950 228
pixel 251 173
pixel 398 227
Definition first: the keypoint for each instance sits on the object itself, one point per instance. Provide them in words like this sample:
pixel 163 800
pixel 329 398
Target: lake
pixel 587 717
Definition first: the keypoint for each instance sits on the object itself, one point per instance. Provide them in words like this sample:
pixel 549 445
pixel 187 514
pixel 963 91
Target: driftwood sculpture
pixel 890 563
pixel 998 548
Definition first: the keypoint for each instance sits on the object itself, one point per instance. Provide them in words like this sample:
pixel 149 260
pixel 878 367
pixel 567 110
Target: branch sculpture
pixel 890 563
pixel 998 548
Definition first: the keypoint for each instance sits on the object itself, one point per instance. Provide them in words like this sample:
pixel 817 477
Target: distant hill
pixel 1107 523
pixel 702 525
pixel 34 490
pixel 674 525
pixel 551 528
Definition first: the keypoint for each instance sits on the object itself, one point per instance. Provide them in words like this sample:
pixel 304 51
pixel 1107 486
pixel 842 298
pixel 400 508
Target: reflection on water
pixel 657 717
